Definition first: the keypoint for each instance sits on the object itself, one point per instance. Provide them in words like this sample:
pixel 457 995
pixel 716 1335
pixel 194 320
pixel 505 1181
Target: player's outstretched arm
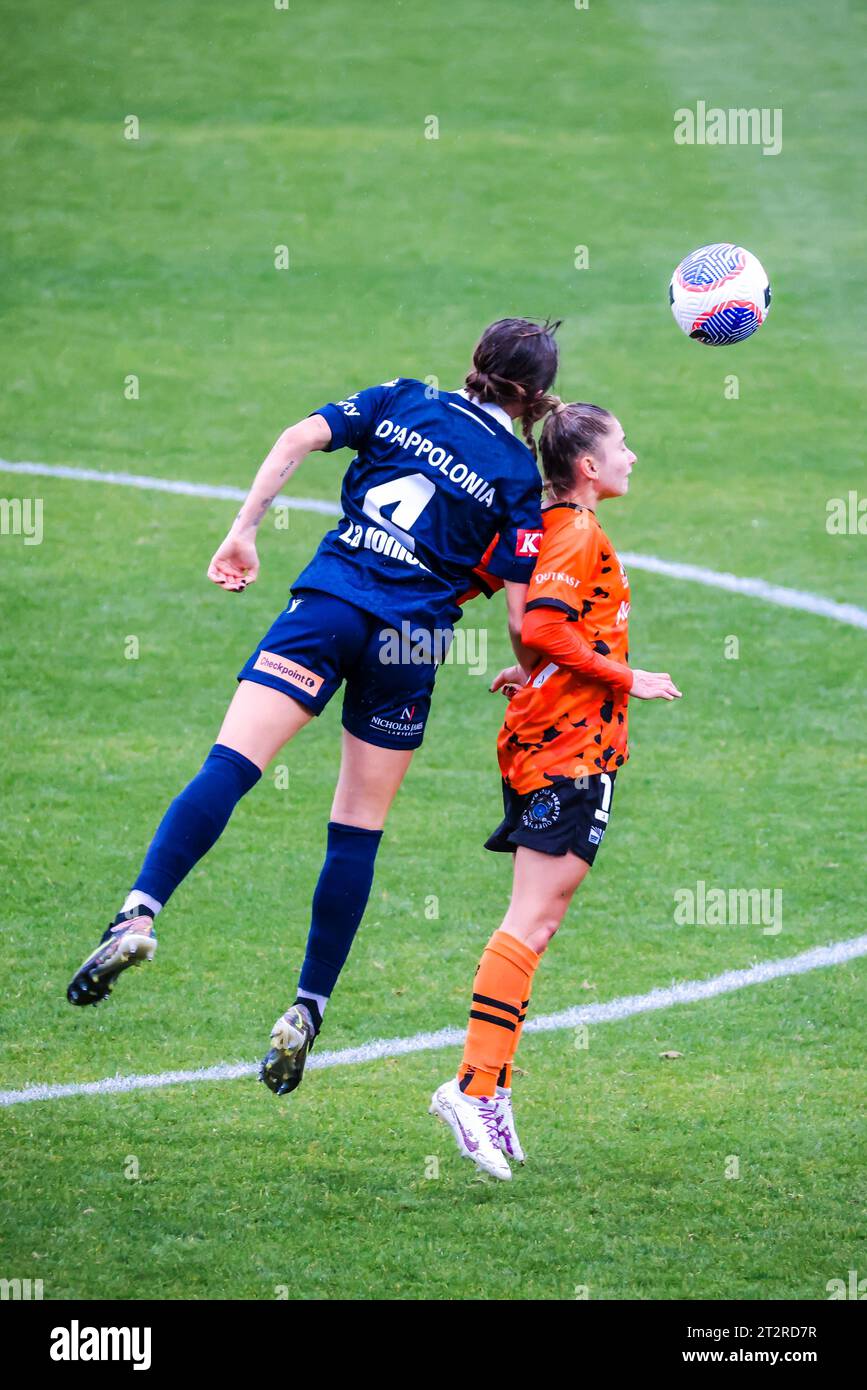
pixel 554 635
pixel 236 563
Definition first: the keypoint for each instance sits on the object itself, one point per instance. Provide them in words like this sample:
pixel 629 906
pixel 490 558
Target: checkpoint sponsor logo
pixel 292 672
pixel 527 543
pixel 542 812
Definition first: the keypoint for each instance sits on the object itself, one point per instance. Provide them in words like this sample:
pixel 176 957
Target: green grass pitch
pixel 154 258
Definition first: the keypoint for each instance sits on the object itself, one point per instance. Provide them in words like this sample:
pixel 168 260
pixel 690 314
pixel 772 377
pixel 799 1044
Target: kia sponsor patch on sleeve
pixel 527 542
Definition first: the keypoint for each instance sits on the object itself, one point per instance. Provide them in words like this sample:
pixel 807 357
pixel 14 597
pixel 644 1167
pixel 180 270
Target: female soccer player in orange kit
pixel 561 745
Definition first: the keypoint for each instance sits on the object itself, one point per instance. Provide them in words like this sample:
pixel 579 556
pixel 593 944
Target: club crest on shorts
pixel 542 812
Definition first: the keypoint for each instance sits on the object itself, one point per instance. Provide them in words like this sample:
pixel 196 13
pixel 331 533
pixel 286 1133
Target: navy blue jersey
pixel 435 479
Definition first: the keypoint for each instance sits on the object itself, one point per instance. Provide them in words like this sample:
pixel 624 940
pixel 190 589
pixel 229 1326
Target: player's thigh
pixel 260 720
pixel 369 779
pixel 385 709
pixel 293 672
pixel 542 889
pixel 389 688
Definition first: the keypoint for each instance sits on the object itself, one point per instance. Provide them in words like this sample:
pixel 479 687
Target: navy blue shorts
pixel 318 641
pixel 562 817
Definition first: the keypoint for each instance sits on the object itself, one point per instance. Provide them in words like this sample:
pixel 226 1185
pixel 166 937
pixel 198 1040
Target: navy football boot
pixel 292 1037
pixel 129 940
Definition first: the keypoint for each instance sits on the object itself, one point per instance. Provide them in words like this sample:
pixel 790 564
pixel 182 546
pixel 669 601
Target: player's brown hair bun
pixel 514 364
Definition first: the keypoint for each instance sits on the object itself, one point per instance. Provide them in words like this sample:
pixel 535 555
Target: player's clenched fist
pixel 653 685
pixel 509 681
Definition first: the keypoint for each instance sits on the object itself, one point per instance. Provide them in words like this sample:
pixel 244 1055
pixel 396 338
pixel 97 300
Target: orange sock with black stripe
pixel 505 1077
pixel 501 993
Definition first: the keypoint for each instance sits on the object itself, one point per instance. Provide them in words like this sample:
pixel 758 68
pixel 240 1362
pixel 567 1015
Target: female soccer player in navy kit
pixel 438 481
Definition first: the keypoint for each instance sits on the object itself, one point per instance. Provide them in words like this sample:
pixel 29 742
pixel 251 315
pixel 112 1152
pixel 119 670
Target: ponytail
pixel 514 364
pixel 535 412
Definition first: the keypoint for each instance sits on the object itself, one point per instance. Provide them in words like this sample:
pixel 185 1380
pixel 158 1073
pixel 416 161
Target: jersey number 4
pixel 409 497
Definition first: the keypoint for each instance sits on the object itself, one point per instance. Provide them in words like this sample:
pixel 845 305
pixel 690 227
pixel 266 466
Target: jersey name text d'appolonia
pixel 435 479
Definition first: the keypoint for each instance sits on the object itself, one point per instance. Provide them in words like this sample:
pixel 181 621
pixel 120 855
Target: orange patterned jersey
pixel 566 722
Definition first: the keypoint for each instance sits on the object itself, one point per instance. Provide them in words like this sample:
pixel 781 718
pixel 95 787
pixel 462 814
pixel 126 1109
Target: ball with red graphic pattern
pixel 720 294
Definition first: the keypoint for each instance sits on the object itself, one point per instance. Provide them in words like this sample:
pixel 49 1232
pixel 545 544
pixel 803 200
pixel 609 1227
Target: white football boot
pixel 509 1141
pixel 473 1121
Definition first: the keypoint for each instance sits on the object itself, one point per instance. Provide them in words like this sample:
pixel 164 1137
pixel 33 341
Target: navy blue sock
pixel 195 820
pixel 338 904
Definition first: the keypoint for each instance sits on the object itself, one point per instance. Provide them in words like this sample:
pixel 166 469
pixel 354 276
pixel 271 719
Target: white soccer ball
pixel 720 294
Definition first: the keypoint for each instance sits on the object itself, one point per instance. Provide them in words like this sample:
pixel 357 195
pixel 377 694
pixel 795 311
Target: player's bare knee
pixel 541 936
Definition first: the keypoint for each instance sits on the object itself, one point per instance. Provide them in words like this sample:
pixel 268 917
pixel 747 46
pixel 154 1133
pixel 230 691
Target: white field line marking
pixel 688 992
pixel 146 484
pixel 753 588
pixel 783 597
